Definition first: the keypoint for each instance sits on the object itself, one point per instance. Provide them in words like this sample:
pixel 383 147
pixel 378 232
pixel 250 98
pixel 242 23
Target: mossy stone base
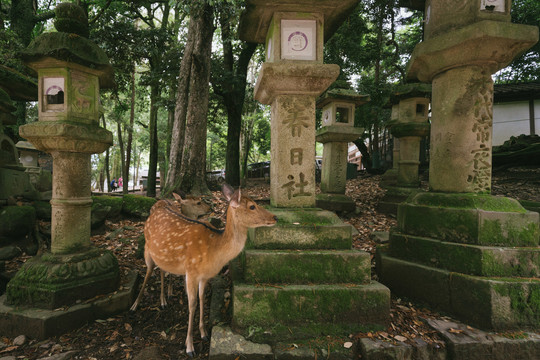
pixel 530 205
pixel 489 303
pixel 41 324
pixel 335 202
pixel 394 196
pixel 50 281
pixel 301 228
pixel 469 218
pixel 316 304
pixel 16 222
pixel 467 259
pixel 301 267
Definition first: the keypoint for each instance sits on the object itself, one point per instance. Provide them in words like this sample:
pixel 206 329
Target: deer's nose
pixel 275 217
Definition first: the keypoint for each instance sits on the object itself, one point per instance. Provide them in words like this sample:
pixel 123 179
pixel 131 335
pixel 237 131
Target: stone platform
pixel 474 256
pixel 302 276
pixel 42 323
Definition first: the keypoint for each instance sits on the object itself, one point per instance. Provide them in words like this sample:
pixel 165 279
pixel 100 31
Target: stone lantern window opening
pixel 53 93
pixel 342 114
pixel 493 5
pixel 337 113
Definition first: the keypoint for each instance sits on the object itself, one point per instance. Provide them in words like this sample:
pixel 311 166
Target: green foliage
pixel 527 66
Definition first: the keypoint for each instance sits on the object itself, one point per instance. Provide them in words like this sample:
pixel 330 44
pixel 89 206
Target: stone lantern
pixel 307 244
pixel 71 70
pixel 468 250
pixel 409 125
pixel 337 131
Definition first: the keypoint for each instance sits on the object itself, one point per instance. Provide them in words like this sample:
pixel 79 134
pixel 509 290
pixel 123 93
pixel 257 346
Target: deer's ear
pixel 227 191
pixel 177 197
pixel 235 200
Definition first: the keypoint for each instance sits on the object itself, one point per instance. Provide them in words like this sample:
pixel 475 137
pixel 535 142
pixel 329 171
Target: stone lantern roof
pixel 255 20
pixel 70 44
pixel 346 95
pixel 410 90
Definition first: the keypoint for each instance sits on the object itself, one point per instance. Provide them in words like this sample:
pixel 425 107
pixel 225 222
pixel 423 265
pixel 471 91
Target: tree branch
pixel 100 12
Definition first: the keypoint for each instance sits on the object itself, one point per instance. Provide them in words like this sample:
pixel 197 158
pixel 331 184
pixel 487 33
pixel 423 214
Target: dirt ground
pixel 125 335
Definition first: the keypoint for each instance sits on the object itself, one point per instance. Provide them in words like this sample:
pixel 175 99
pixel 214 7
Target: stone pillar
pixel 460 156
pixel 456 247
pixel 68 129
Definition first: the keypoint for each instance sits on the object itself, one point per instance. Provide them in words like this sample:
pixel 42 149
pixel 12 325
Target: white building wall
pixel 512 119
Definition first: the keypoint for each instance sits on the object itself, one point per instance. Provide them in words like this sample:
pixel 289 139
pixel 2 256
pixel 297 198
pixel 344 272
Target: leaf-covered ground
pixel 124 336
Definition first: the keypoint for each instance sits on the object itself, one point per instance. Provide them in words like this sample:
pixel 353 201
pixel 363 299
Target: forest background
pixel 183 102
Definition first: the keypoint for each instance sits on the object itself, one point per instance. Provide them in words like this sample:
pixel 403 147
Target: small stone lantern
pixel 337 131
pixel 71 69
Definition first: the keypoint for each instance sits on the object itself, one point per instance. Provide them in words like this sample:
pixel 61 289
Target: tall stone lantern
pixel 457 247
pixel 71 70
pixel 336 132
pixel 307 244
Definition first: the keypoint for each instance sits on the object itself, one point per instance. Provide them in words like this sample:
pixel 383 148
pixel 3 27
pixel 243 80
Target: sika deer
pixel 192 207
pixel 180 245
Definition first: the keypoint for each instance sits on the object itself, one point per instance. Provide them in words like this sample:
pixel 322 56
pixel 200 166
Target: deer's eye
pixel 199 203
pixel 252 207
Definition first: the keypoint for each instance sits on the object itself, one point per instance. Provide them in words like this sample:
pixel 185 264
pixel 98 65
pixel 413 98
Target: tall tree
pixel 230 83
pixel 187 166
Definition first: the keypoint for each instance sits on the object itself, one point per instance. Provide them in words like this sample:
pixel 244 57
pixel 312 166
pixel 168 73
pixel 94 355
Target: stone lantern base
pixel 474 256
pixel 301 279
pixel 50 281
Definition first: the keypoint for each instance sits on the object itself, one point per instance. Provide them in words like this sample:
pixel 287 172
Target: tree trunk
pixel 107 155
pixel 154 146
pixel 125 188
pixel 233 91
pixel 193 171
pixel 187 158
pixel 174 179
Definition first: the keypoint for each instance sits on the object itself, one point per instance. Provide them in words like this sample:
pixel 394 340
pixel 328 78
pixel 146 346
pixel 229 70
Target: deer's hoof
pixel 205 338
pixel 191 354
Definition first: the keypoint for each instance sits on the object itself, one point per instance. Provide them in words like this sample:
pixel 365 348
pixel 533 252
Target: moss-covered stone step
pixel 342 304
pixel 470 219
pixel 302 228
pixel 304 267
pixel 467 259
pixel 485 302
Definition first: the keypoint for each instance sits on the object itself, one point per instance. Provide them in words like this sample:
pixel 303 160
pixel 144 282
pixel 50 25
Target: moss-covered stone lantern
pixel 336 132
pixel 71 70
pixel 443 232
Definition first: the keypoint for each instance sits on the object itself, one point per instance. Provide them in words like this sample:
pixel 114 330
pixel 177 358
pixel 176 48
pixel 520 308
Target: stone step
pixel 307 266
pixel 486 302
pixel 302 228
pixel 284 305
pixel 469 219
pixel 467 259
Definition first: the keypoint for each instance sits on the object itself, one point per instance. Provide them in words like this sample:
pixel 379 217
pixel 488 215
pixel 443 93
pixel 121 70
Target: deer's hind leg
pixel 149 268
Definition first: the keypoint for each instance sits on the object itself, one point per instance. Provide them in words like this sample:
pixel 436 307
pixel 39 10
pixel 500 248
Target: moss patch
pixel 114 202
pixel 16 221
pixel 468 201
pixel 138 206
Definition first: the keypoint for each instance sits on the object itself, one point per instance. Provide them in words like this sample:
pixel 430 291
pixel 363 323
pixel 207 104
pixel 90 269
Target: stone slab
pixel 467 259
pixel 302 228
pixel 226 345
pixel 469 218
pixel 464 342
pixel 489 303
pixel 303 267
pixel 313 304
pixel 335 202
pixel 41 324
pixel 491 43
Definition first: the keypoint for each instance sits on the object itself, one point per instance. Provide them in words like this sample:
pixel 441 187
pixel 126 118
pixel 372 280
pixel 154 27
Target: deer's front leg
pixel 191 289
pixel 162 295
pixel 202 286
